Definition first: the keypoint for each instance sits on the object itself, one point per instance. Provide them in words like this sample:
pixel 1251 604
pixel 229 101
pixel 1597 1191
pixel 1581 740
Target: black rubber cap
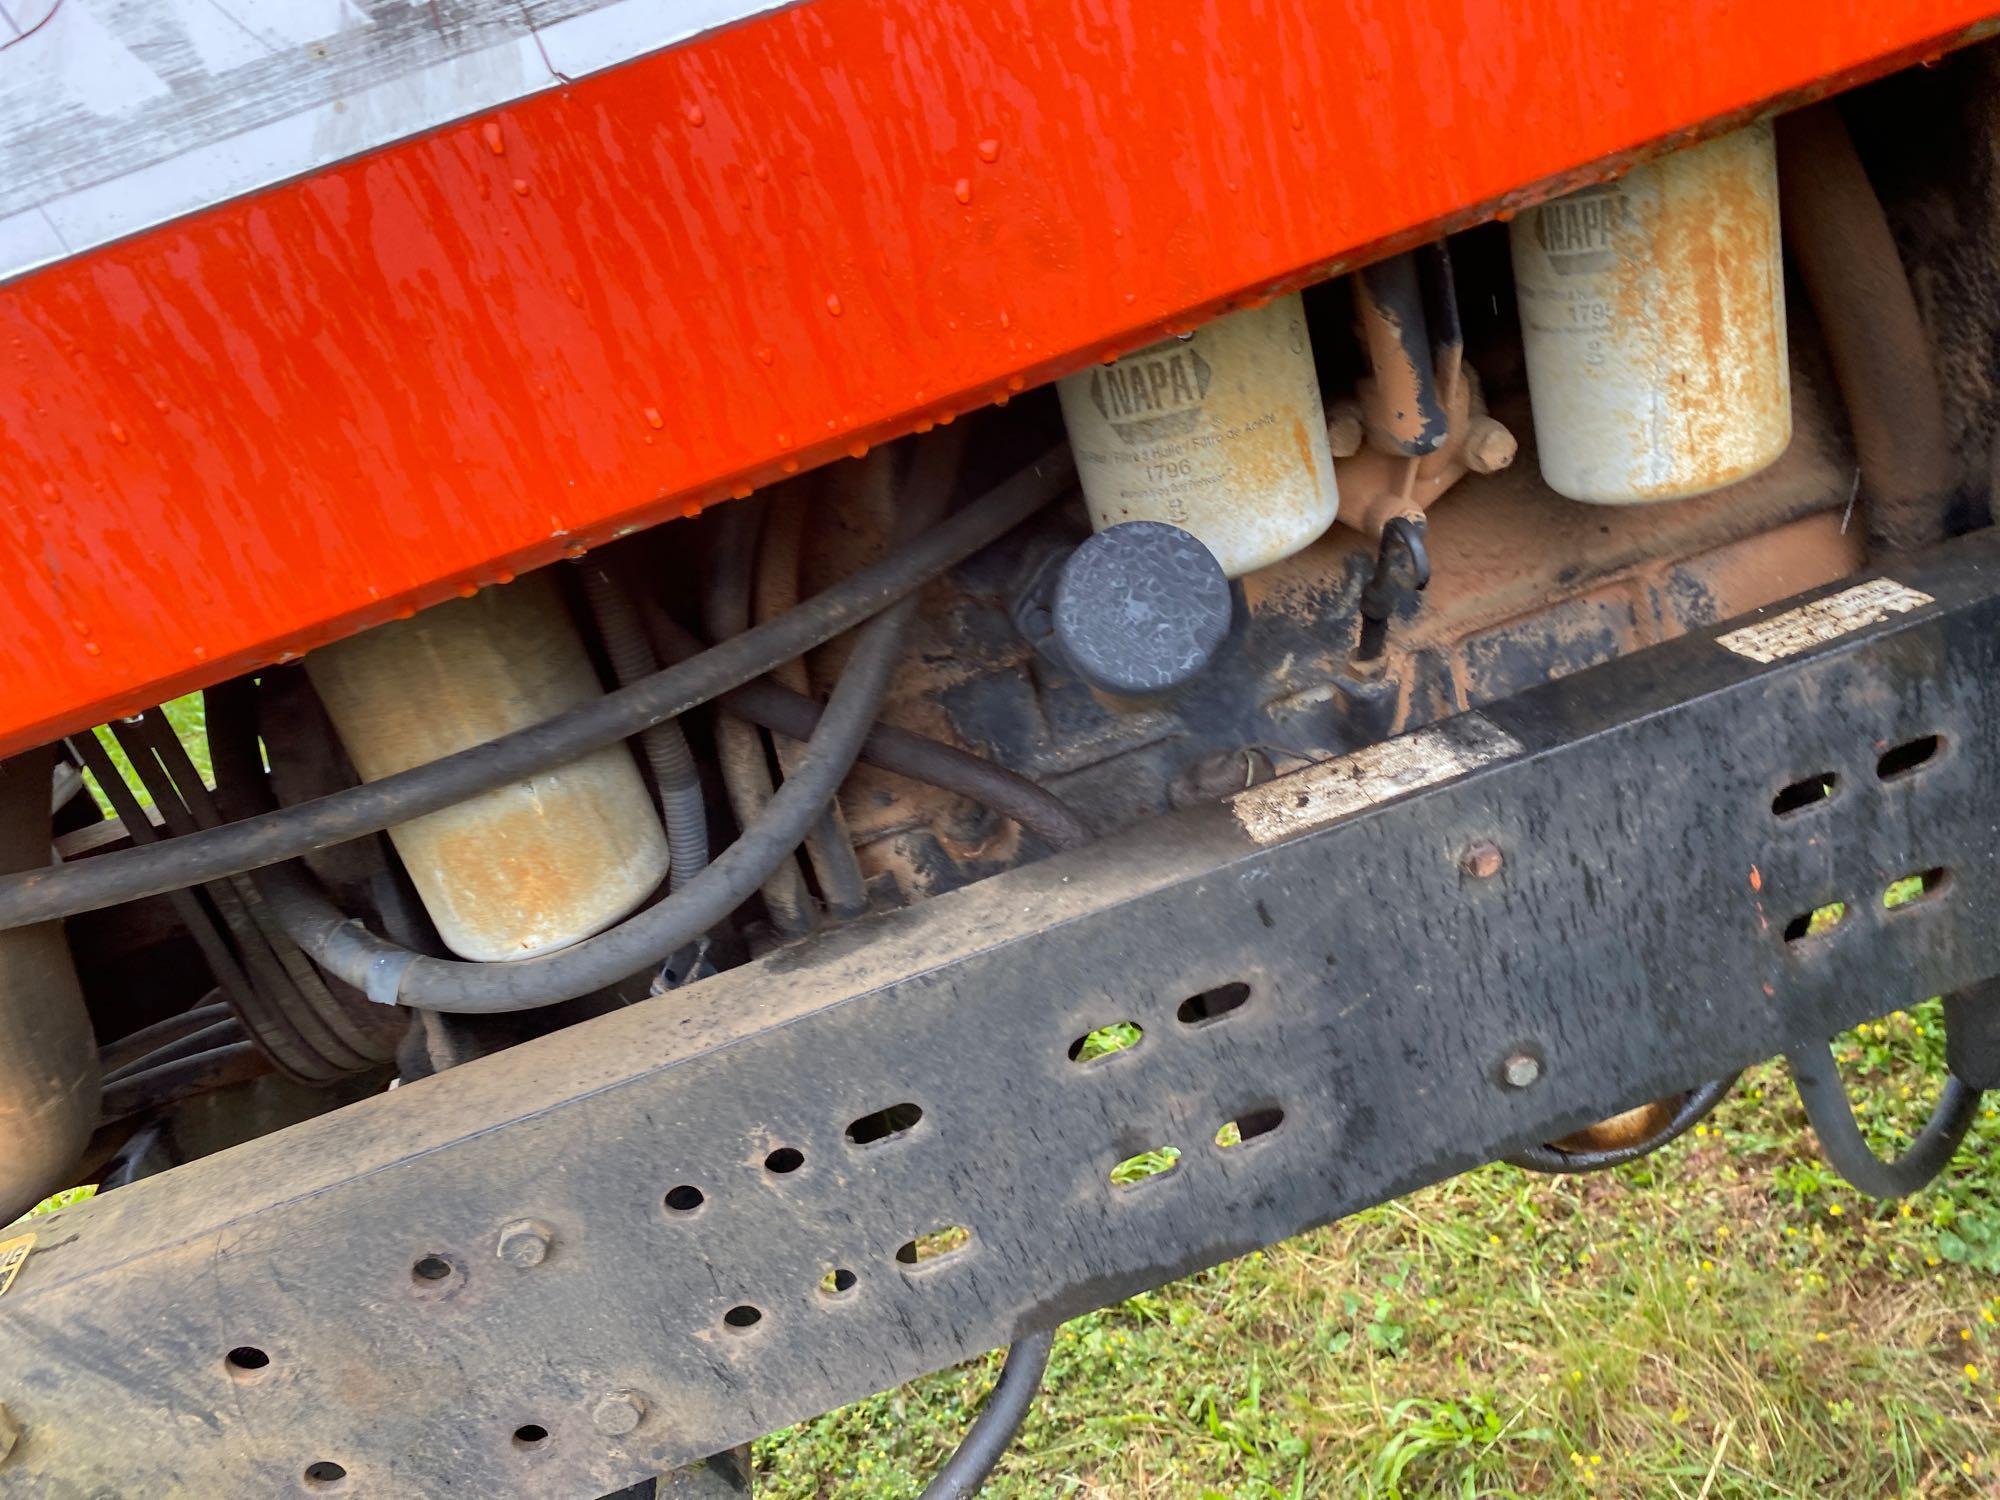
pixel 1140 608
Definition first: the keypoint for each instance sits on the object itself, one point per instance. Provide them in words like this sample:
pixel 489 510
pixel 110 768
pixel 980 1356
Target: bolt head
pixel 10 1433
pixel 1482 861
pixel 1520 1070
pixel 618 1413
pixel 525 1243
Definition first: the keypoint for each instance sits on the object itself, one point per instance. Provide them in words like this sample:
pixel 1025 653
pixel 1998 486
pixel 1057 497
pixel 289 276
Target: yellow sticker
pixel 13 1255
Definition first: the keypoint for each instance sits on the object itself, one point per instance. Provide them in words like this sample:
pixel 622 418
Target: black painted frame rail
pixel 727 1194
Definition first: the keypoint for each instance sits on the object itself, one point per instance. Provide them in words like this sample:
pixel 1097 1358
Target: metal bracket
pixel 735 1183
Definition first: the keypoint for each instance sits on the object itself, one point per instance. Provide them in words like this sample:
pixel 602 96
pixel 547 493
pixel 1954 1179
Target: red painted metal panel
pixel 264 426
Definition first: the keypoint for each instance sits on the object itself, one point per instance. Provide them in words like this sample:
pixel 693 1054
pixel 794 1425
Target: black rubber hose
pixel 116 1054
pixel 668 757
pixel 1694 1107
pixel 215 1034
pixel 1817 1078
pixel 888 748
pixel 290 1049
pixel 127 875
pixel 275 984
pixel 360 1040
pixel 392 974
pixel 152 1088
pixel 740 752
pixel 843 888
pixel 1006 1409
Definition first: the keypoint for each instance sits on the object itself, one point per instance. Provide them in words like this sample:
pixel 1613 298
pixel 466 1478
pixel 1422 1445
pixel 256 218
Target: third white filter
pixel 1653 314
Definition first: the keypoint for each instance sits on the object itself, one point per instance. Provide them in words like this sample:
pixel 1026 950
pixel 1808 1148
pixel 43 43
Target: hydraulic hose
pixel 126 875
pixel 216 1034
pixel 113 1056
pixel 151 1088
pixel 392 974
pixel 668 757
pixel 1847 260
pixel 829 848
pixel 740 751
pixel 1841 1142
pixel 1694 1107
pixel 889 748
pixel 289 1048
pixel 1006 1409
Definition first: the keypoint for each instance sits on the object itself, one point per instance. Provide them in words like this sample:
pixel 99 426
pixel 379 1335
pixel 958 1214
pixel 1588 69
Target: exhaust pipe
pixel 49 1081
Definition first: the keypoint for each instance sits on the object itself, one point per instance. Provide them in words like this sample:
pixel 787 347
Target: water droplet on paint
pixel 494 142
pixel 1005 321
pixel 574 292
pixel 989 149
pixel 761 171
pixel 119 434
pixel 833 303
pixel 654 419
pixel 503 576
pixel 467 590
pixel 962 190
pixel 765 354
pixel 790 466
pixel 92 648
pixel 693 115
pixel 520 187
pixel 859 450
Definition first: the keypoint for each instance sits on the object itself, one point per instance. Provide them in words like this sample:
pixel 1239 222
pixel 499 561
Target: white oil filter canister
pixel 525 868
pixel 1653 313
pixel 1219 432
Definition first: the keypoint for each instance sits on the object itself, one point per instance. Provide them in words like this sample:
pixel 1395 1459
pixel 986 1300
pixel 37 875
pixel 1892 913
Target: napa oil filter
pixel 1219 432
pixel 1653 314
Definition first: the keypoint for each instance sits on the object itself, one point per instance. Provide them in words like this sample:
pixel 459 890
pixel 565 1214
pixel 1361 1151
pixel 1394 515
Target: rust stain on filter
pixel 526 868
pixel 1652 312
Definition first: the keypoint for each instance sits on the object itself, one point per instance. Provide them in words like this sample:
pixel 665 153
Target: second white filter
pixel 1221 433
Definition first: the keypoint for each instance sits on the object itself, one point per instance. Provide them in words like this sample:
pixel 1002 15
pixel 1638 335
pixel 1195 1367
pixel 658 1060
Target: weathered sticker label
pixel 1334 788
pixel 1823 620
pixel 13 1254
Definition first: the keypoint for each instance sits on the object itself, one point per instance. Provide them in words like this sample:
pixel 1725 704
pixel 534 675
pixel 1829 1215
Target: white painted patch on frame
pixel 1335 788
pixel 1823 620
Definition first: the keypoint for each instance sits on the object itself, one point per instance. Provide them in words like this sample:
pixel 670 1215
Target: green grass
pixel 1723 1319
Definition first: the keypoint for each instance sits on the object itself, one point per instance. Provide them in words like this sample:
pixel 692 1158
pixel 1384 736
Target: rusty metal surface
pixel 360 1252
